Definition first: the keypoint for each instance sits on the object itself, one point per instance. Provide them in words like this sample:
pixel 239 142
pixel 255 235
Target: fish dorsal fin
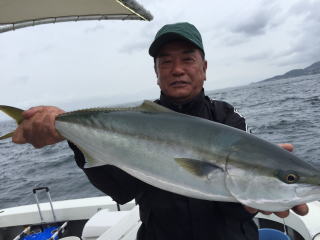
pixel 14 113
pixel 146 106
pixel 197 167
pixel 149 106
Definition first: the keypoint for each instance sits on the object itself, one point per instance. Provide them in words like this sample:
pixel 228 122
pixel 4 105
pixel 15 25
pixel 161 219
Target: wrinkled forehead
pixel 178 47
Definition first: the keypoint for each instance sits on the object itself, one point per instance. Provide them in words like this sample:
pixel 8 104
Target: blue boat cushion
pixel 272 234
pixel 44 235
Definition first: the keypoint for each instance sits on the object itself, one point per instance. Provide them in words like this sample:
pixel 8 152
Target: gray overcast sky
pixel 81 64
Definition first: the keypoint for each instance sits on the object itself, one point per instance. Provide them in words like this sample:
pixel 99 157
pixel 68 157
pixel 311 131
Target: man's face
pixel 181 70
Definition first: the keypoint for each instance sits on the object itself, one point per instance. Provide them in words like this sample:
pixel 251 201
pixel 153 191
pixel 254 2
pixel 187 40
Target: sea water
pixel 280 111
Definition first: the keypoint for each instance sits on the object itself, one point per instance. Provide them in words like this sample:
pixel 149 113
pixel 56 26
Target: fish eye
pixel 291 178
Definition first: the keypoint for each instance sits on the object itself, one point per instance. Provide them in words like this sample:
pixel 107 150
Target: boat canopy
pixel 16 14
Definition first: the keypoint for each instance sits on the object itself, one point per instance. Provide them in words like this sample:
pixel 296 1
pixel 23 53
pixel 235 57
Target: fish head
pixel 273 184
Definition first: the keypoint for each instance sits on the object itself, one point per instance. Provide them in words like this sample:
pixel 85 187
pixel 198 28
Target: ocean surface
pixel 280 111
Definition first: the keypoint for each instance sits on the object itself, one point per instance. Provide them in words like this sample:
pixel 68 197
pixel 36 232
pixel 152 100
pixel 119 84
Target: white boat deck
pixel 67 210
pixel 105 222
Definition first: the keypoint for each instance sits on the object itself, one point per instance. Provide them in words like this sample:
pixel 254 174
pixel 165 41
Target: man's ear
pixel 156 71
pixel 204 68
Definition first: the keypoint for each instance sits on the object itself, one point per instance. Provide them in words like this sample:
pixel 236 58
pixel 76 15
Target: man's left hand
pixel 301 209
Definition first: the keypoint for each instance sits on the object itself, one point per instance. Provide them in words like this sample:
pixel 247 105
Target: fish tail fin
pixel 14 113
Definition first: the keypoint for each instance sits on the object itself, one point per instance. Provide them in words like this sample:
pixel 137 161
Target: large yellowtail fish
pixel 189 155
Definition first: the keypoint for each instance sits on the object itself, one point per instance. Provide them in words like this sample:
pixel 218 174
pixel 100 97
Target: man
pixel 180 67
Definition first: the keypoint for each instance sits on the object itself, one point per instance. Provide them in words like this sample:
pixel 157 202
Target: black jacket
pixel 166 215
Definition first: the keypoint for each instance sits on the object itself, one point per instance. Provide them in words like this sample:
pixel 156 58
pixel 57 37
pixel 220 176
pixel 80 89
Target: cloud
pixel 134 47
pixel 258 21
pixel 254 25
pixel 258 56
pixel 20 80
pixel 36 51
pixel 93 29
pixel 303 46
pixel 233 40
pixel 44 49
pixel 309 9
pixel 140 40
pixel 305 51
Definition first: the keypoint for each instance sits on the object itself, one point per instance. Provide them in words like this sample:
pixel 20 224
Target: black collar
pixel 193 107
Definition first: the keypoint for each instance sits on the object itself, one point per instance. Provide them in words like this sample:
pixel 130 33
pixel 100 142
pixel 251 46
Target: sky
pixel 98 63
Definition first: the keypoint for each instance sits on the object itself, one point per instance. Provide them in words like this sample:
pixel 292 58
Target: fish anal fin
pixel 197 167
pixel 89 161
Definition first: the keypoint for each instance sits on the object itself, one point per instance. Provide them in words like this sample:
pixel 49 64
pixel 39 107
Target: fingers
pixel 287 146
pixel 250 209
pixel 18 135
pixel 301 209
pixel 30 113
pixel 38 127
pixel 282 214
pixel 254 210
pixel 25 127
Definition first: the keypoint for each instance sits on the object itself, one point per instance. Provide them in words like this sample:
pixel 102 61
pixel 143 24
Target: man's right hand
pixel 38 127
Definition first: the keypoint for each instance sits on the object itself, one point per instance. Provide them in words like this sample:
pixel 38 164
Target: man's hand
pixel 301 209
pixel 38 127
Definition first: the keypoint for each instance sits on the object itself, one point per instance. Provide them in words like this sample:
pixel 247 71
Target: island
pixel 311 70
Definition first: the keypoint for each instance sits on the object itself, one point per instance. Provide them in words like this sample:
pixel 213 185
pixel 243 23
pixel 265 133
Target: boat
pixel 86 218
pixel 100 218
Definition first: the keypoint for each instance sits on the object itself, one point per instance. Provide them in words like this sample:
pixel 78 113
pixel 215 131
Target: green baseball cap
pixel 177 31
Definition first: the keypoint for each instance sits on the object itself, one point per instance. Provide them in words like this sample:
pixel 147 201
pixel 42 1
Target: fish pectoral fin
pixel 150 106
pixel 14 113
pixel 197 167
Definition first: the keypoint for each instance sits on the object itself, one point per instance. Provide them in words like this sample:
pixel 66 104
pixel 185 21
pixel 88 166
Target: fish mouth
pixel 179 83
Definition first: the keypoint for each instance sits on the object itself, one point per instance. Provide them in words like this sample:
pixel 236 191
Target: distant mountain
pixel 312 69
